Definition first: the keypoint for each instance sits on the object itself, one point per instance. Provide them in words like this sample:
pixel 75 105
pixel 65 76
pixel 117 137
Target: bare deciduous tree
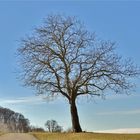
pixel 11 121
pixel 53 126
pixel 63 58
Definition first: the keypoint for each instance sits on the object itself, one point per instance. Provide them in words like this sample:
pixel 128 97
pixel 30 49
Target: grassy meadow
pixel 85 136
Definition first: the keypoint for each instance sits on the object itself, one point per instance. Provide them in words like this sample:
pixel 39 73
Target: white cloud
pixel 122 131
pixel 122 96
pixel 22 100
pixel 128 112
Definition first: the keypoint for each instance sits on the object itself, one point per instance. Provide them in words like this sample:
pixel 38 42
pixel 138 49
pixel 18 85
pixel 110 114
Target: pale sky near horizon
pixel 110 20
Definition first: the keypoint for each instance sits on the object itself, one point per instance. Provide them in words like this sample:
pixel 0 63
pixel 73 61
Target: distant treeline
pixel 11 121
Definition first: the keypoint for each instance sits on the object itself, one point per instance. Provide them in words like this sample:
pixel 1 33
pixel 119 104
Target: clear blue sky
pixel 116 21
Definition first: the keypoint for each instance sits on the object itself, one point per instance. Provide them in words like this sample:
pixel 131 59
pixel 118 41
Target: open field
pixel 85 136
pixel 1 133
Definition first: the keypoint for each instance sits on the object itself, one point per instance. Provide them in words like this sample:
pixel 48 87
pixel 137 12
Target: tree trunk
pixel 75 118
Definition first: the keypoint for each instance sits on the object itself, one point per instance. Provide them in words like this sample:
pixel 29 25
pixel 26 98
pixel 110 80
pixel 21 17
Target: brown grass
pixel 85 136
pixel 1 133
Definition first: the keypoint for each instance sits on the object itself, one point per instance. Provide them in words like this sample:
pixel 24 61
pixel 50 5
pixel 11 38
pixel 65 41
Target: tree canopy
pixel 63 58
pixel 11 121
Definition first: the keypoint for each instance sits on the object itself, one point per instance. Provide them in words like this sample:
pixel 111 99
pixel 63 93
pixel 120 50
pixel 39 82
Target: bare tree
pixel 63 58
pixel 53 126
pixel 11 121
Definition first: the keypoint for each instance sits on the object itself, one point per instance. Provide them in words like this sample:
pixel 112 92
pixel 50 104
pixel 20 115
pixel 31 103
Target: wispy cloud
pixel 122 131
pixel 126 112
pixel 22 100
pixel 122 96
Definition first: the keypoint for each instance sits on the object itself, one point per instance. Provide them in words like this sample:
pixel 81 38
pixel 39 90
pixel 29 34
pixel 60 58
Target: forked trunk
pixel 75 118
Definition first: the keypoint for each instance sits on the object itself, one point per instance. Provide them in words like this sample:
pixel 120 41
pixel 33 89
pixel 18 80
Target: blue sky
pixel 110 20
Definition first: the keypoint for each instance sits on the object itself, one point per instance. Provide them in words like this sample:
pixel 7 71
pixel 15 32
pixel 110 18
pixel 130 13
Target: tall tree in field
pixel 63 58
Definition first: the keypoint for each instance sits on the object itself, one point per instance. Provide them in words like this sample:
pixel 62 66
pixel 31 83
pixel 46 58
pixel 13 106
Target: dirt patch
pixel 17 136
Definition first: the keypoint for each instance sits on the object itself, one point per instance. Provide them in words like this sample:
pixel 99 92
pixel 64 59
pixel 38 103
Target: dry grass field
pixel 1 133
pixel 85 136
